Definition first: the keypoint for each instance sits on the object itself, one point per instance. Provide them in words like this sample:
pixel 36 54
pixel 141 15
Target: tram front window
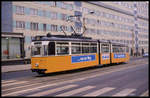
pixel 39 50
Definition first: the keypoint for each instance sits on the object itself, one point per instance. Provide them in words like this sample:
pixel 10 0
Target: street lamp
pixel 132 41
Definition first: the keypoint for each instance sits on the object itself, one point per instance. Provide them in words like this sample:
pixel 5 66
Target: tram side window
pixel 127 49
pixel 119 49
pixel 104 48
pixel 85 47
pixel 93 48
pixel 75 48
pixel 115 49
pixel 62 48
pixel 51 48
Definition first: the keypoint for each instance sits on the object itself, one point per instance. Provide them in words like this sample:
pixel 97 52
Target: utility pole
pixel 132 40
pixel 136 28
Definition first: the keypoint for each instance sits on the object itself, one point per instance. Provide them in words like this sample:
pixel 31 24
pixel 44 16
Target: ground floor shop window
pixel 11 48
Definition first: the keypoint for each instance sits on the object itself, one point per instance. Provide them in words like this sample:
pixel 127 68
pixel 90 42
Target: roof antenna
pixel 49 34
pixel 73 30
pixel 61 27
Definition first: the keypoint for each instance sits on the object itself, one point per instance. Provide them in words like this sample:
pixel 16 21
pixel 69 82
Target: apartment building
pixel 125 22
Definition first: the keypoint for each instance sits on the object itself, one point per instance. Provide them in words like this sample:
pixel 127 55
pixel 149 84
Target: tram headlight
pixel 37 64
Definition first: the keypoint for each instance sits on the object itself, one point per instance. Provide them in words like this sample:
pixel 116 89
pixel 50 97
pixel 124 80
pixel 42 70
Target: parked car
pixel 145 55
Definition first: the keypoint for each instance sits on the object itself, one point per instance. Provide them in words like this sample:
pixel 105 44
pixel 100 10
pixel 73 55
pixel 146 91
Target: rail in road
pixel 81 85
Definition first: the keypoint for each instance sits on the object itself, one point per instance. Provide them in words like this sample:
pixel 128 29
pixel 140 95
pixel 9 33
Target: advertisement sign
pixel 105 56
pixel 119 55
pixel 83 58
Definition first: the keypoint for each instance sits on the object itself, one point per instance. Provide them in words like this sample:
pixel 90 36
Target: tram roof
pixel 118 43
pixel 78 39
pixel 66 39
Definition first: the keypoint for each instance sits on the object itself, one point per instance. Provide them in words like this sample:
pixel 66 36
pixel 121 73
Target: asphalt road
pixel 129 79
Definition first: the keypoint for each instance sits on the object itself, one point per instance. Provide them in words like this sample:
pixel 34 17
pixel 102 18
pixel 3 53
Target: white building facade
pixel 125 22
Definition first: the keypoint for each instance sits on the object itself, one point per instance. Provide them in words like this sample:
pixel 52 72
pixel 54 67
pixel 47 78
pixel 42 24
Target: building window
pixel 63 16
pixel 84 10
pixel 53 27
pixel 44 27
pixel 59 4
pixel 52 3
pixel 69 6
pixel 53 15
pixel 33 11
pixel 71 29
pixel 64 27
pixel 44 13
pixel 78 29
pixel 64 5
pixel 20 24
pixel 34 26
pixel 20 10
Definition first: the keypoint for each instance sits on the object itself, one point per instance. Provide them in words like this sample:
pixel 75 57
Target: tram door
pixel 104 53
pixel 51 48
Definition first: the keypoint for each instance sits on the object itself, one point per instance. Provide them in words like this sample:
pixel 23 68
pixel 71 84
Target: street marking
pixel 145 93
pixel 30 89
pixel 52 90
pixel 76 91
pixel 20 87
pixel 14 83
pixel 100 91
pixel 125 92
pixel 37 88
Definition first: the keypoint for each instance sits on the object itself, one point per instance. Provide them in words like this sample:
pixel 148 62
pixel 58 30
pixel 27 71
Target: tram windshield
pixel 39 50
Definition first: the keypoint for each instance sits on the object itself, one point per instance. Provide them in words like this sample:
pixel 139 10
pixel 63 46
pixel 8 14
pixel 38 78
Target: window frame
pixel 20 25
pixel 105 46
pixel 54 27
pixel 33 11
pixel 76 44
pixel 65 44
pixel 20 10
pixel 34 26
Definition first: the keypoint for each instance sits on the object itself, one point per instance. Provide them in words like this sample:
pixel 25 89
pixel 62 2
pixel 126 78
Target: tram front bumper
pixel 39 70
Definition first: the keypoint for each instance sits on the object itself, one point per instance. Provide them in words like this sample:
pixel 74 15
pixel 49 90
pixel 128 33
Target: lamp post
pixel 132 41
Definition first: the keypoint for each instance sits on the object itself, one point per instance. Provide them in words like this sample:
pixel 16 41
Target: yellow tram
pixel 60 53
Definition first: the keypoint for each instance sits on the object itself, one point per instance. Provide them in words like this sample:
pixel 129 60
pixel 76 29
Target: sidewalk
pixel 10 68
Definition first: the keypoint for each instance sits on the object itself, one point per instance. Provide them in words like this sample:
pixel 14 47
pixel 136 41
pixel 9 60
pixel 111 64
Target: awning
pixel 20 35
